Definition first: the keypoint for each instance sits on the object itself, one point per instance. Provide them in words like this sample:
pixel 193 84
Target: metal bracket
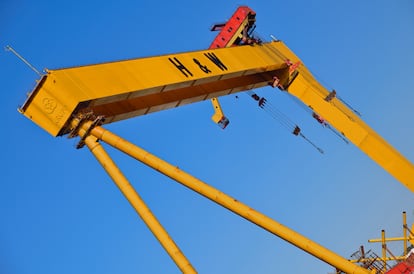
pixel 275 82
pixel 79 121
pixel 330 96
pixel 219 118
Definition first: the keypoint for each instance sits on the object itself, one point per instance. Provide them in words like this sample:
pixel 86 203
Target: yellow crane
pixel 78 101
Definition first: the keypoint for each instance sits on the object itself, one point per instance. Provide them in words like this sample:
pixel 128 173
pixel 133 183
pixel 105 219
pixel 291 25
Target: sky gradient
pixel 61 213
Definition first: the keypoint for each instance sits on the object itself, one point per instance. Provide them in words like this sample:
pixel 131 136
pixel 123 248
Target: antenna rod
pixel 9 48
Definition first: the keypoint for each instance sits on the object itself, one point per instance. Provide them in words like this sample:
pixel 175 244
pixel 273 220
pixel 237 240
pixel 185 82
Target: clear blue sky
pixel 60 212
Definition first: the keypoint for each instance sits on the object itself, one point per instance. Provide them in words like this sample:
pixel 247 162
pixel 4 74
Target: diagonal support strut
pixel 225 200
pixel 137 202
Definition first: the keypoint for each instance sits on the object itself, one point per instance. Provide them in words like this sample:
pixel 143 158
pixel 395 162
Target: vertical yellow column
pixel 138 204
pixel 228 202
pixel 384 250
pixel 405 233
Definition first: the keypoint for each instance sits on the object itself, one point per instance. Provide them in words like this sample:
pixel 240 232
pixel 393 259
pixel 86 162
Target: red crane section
pixel 405 267
pixel 235 30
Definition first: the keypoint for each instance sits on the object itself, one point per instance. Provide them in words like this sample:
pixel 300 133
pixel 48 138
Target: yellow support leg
pixel 384 250
pixel 226 201
pixel 138 204
pixel 405 232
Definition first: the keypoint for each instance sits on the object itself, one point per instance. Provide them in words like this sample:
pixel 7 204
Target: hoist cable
pixel 325 124
pixel 337 133
pixel 313 144
pixel 277 115
pixel 281 118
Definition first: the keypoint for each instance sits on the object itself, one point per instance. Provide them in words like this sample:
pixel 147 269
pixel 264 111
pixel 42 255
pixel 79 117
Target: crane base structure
pixel 78 101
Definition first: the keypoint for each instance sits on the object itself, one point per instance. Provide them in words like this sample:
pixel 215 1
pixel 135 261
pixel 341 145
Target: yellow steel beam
pixel 138 204
pixel 320 100
pixel 125 89
pixel 225 200
pixel 362 260
pixel 384 250
pixel 404 215
pixel 407 235
pixel 391 239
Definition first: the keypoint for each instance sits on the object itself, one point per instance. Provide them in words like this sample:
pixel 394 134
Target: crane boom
pixel 340 116
pixel 125 89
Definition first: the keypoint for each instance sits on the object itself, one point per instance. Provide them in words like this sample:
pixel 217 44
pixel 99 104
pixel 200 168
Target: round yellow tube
pixel 228 202
pixel 139 205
